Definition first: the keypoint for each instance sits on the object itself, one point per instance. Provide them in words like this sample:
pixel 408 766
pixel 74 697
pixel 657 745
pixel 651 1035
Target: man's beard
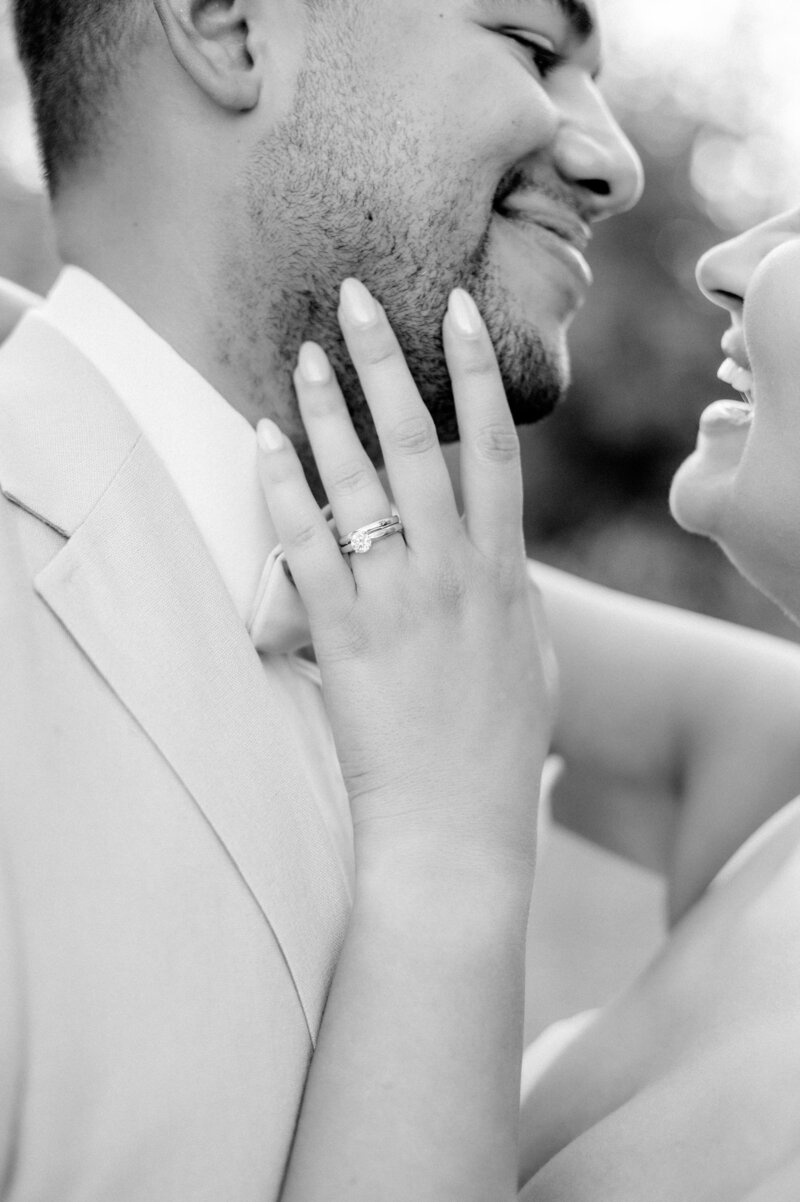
pixel 347 207
pixel 534 376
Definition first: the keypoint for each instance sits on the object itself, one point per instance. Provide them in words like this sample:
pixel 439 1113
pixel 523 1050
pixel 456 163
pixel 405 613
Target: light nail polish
pixel 464 313
pixel 313 363
pixel 269 436
pixel 357 303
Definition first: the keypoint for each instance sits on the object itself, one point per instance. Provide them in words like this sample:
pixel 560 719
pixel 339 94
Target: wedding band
pixel 358 542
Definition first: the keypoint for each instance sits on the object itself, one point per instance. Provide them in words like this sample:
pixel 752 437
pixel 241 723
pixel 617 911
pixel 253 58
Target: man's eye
pixel 545 57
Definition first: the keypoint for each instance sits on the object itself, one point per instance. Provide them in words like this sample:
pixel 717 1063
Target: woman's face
pixel 742 484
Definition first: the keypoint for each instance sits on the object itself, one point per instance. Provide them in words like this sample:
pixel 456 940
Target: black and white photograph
pixel 399 601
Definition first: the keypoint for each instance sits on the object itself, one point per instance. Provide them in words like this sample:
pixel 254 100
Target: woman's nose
pixel 724 271
pixel 594 155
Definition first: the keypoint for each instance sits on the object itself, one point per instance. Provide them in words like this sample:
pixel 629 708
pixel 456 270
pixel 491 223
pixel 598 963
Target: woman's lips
pixel 724 416
pixel 734 346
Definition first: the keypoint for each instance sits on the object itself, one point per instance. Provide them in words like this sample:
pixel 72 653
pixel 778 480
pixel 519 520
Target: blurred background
pixel 709 92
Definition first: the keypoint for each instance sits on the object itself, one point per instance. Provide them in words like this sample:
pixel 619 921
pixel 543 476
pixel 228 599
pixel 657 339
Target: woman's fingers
pixel 491 475
pixel 351 483
pixel 319 570
pixel 416 469
pixel 420 482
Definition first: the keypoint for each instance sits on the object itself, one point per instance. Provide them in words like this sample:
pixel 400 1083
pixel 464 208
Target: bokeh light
pixel 726 70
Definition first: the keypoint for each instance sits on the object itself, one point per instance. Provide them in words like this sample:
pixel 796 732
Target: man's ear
pixel 214 41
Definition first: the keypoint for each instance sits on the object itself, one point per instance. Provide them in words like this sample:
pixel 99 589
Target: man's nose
pixel 594 156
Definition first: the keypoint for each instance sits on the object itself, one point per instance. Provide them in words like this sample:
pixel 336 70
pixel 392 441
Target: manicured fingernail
pixel 464 313
pixel 358 304
pixel 269 436
pixel 313 364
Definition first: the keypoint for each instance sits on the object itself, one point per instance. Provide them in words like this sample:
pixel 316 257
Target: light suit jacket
pixel 171 907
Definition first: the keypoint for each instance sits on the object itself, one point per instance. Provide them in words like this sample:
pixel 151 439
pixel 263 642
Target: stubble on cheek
pixel 330 196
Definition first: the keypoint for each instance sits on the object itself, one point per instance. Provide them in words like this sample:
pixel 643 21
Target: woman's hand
pixel 437 693
pixel 435 680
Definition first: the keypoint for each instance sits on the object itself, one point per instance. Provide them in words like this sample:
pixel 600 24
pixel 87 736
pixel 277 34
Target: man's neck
pixel 174 283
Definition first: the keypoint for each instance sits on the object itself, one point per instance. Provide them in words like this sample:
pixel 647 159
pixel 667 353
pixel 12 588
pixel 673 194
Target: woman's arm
pixel 436 689
pixel 686 1084
pixel 681 734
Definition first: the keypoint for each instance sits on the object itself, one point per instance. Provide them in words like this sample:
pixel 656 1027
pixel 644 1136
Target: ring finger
pixel 352 486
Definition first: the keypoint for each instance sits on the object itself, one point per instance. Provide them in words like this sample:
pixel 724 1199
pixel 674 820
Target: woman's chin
pixel 712 494
pixel 701 496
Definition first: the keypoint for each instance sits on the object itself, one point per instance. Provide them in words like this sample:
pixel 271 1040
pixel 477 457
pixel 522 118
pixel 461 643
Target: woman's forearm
pixel 435 673
pixel 413 1091
pixel 682 731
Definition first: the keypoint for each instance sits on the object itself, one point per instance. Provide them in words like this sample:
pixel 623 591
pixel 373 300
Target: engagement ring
pixel 358 542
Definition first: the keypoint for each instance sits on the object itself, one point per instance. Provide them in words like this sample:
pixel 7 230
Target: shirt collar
pixel 207 447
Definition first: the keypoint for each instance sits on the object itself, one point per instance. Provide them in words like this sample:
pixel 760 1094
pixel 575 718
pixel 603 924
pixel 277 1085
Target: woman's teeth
pixel 738 377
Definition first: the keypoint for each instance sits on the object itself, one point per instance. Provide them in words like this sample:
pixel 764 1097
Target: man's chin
pixel 535 388
pixel 534 380
pixel 531 350
pixel 535 375
pixel 534 367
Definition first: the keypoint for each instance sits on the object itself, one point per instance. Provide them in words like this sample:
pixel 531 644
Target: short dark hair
pixel 74 52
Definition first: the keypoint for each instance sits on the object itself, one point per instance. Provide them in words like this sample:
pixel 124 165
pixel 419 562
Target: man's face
pixel 430 145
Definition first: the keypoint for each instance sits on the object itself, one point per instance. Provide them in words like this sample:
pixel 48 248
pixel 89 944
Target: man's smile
pixel 531 206
pixel 541 224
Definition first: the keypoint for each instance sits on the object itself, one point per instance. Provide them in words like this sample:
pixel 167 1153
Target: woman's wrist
pixel 462 885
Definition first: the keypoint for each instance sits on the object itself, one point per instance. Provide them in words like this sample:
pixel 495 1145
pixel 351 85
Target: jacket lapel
pixel 135 587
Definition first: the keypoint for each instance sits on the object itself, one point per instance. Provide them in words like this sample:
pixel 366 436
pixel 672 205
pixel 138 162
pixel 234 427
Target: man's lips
pixel 553 227
pixel 533 209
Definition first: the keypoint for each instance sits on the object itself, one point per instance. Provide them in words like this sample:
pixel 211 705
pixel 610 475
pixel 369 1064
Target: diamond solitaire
pixel 358 542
